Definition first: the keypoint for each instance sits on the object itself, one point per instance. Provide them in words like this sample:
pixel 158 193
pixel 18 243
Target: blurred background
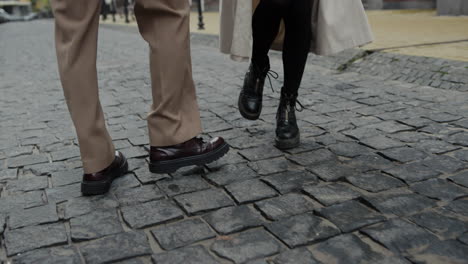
pixel 432 28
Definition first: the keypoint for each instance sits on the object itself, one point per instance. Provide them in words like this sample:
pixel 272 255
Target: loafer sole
pixel 171 166
pixel 101 187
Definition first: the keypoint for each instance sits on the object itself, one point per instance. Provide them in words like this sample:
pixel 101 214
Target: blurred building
pixel 16 8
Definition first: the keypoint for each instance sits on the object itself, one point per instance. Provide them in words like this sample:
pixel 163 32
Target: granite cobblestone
pixel 380 175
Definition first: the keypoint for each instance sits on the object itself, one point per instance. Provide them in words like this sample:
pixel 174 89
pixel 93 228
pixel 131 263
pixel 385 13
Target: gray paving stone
pixel 234 219
pixel 25 160
pixel 54 255
pixel 137 260
pixel 2 223
pixel 95 225
pixel 182 233
pixel 464 238
pixel 362 132
pixel 18 151
pixel 403 154
pixel 34 237
pixel 313 157
pixel 400 203
pixel 459 206
pixel 28 184
pixel 445 164
pixel 44 169
pixel 442 117
pixel 150 213
pixel 250 191
pixel 439 189
pixel 246 246
pixel 460 178
pixel 329 194
pixel 116 247
pixel 290 181
pixel 124 182
pixel 374 181
pixel 261 153
pixel 400 236
pixel 307 145
pixel 331 171
pixel 382 142
pixel 65 153
pixel 258 261
pixel 449 251
pixel 187 255
pixel 349 149
pixel 203 201
pixel 8 174
pixel 146 177
pixel 139 164
pixel 271 166
pixel 370 162
pixel 436 146
pixel 134 152
pixel 232 157
pixel 138 195
pixel 84 205
pixel 139 140
pixel 285 206
pixel 347 248
pixel 230 173
pixel 461 154
pixel 61 178
pixel 64 193
pixel 460 139
pixel 443 225
pixel 33 216
pixel 22 201
pixel 462 123
pixel 413 172
pixel 302 230
pixel 181 185
pixel 295 256
pixel 350 215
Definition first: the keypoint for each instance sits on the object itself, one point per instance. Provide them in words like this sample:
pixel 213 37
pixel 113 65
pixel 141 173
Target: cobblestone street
pixel 381 175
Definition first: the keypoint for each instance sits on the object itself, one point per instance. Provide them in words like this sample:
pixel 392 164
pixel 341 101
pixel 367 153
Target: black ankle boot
pixel 287 132
pixel 250 98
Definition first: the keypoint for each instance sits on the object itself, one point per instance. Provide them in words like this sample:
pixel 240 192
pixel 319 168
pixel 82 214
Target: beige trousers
pixel 174 116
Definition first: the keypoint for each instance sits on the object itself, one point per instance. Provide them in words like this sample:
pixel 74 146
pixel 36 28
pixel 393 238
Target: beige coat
pixel 336 24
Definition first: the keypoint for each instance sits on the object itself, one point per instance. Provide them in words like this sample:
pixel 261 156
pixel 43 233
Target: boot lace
pixel 272 74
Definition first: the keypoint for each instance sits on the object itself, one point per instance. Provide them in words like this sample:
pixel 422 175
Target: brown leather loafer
pixel 192 152
pixel 100 182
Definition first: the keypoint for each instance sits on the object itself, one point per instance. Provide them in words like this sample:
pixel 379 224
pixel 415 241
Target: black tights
pixel 297 19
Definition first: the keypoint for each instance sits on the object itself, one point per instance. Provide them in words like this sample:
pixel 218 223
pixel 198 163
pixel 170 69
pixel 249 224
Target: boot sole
pixel 285 144
pixel 101 187
pixel 246 114
pixel 171 166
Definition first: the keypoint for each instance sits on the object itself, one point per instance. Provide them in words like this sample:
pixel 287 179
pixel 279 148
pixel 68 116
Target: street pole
pixel 201 25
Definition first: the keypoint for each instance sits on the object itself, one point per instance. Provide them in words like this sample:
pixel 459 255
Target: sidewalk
pixel 380 177
pixel 409 32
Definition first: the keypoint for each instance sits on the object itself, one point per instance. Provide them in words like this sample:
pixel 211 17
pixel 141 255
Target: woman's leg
pixel 297 43
pixel 265 25
pixel 296 47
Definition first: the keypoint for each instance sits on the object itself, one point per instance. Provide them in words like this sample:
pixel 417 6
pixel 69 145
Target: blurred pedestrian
pixel 174 119
pixel 295 27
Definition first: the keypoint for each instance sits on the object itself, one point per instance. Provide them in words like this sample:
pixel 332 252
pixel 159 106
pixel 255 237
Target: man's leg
pixel 76 29
pixel 174 117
